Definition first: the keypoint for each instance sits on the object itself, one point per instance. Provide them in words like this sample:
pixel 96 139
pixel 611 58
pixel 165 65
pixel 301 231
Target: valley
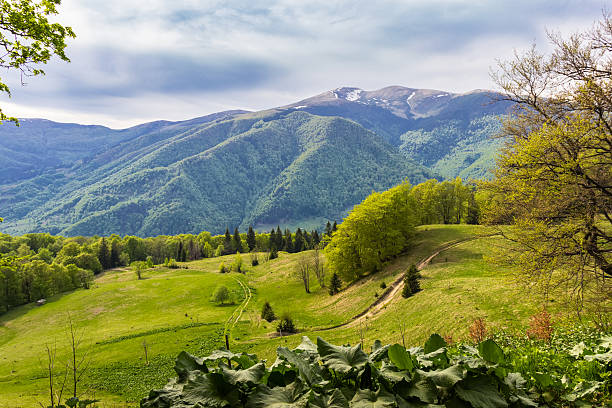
pixel 170 310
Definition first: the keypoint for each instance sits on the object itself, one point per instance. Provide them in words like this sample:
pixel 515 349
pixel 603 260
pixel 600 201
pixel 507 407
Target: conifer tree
pixel 288 241
pixel 307 240
pixel 411 282
pixel 315 238
pixel 251 242
pixel 267 313
pixel 115 253
pixel 272 240
pixel 299 243
pixel 279 238
pixel 237 241
pixel 227 242
pixel 328 229
pixel 334 227
pixel 104 254
pixel 334 284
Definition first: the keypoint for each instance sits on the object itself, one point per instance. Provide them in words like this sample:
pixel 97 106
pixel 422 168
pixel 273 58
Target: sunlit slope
pixel 170 310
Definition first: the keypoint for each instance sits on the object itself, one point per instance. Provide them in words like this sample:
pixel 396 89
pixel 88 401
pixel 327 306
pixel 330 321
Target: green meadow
pixel 170 310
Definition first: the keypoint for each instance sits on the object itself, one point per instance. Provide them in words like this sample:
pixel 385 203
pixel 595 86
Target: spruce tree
pixel 227 242
pixel 267 313
pixel 315 238
pixel 411 282
pixel 299 244
pixel 237 241
pixel 251 242
pixel 328 229
pixel 115 253
pixel 104 254
pixel 334 284
pixel 307 240
pixel 334 227
pixel 278 238
pixel 272 240
pixel 288 241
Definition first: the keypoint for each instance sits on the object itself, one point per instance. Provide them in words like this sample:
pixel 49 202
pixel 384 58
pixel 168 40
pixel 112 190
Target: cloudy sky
pixel 135 61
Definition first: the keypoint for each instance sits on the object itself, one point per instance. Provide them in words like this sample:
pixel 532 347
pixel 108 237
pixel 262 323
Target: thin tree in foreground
pixel 302 270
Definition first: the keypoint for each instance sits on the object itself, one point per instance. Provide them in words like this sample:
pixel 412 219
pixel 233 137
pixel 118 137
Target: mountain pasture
pixel 170 310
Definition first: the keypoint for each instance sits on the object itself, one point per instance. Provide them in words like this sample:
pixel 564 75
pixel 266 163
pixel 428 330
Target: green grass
pixel 171 311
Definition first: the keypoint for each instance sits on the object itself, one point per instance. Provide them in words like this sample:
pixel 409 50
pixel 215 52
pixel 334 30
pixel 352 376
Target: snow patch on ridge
pixel 410 97
pixel 353 95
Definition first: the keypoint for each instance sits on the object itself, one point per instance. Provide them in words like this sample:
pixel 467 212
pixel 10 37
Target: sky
pixel 136 61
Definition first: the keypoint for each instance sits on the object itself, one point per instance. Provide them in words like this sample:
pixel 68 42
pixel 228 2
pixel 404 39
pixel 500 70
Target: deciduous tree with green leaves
pixel 554 177
pixel 28 38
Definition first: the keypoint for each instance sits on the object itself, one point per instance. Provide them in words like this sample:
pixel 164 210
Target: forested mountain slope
pixel 286 168
pixel 300 164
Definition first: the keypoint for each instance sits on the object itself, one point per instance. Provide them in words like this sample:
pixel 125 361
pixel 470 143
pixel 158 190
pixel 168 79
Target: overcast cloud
pixel 137 61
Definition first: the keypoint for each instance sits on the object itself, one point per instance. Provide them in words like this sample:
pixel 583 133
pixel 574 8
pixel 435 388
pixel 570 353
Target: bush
pixel 478 330
pixel 273 254
pixel 267 313
pixel 286 325
pixel 237 264
pixel 221 295
pixel 383 285
pixel 223 268
pixel 540 326
pixel 254 260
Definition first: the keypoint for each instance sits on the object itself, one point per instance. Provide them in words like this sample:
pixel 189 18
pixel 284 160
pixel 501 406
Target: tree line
pixel 38 265
pixel 383 225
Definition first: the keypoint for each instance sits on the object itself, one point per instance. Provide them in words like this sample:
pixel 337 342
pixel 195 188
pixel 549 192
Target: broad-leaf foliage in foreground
pixel 325 375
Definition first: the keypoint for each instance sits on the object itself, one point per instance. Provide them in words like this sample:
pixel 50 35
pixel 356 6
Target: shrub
pixel 383 285
pixel 254 259
pixel 478 330
pixel 222 268
pixel 286 325
pixel 267 313
pixel 273 254
pixel 237 264
pixel 540 326
pixel 221 295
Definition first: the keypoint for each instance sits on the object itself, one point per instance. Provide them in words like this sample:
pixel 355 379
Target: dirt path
pixel 237 314
pixel 395 287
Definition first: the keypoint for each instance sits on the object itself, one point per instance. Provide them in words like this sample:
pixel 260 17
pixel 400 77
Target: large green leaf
pixel 339 358
pixel 251 375
pixel 515 381
pixel 422 388
pixel 480 392
pixel 445 378
pixel 210 390
pixel 434 343
pixel 373 399
pixel 393 374
pixel 335 400
pixel 291 396
pixel 306 346
pixel 400 357
pixel 491 352
pixel 583 389
pixel 379 352
pixel 186 362
pixel 308 372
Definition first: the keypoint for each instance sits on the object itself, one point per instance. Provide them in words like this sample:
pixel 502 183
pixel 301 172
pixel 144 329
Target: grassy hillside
pixel 170 310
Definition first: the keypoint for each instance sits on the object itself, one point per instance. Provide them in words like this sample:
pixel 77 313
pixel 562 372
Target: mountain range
pixel 296 165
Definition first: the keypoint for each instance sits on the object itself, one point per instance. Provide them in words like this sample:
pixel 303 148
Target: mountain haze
pixel 301 164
